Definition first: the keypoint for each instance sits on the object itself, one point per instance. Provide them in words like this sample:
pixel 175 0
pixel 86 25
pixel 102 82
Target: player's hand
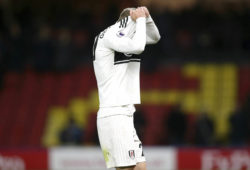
pixel 146 11
pixel 137 13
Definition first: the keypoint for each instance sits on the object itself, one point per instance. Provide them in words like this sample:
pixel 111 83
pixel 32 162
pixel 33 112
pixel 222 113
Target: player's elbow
pixel 157 39
pixel 154 40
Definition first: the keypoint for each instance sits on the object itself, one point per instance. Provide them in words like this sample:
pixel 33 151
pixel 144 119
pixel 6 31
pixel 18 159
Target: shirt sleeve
pixel 136 45
pixel 153 35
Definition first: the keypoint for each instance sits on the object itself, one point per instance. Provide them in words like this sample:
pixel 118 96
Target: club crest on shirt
pixel 131 154
pixel 120 34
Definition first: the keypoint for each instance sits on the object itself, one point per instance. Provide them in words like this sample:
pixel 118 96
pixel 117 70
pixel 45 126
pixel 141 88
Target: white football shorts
pixel 120 144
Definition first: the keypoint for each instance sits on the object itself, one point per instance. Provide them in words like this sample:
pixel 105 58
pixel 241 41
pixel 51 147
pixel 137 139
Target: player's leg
pixel 117 141
pixel 139 166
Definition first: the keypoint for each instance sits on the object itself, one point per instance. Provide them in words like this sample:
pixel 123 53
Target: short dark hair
pixel 125 13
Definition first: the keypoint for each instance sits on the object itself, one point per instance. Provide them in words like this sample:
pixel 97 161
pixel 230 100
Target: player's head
pixel 125 13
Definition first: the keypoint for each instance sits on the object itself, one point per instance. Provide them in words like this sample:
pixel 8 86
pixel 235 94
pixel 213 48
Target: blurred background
pixel 195 82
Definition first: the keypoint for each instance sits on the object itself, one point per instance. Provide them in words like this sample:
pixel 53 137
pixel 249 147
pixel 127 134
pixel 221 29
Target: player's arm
pixel 152 32
pixel 136 45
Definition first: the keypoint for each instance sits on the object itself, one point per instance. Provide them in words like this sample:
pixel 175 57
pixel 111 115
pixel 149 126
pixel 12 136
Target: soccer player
pixel 117 67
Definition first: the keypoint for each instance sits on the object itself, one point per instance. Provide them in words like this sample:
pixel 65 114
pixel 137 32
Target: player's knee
pixel 141 166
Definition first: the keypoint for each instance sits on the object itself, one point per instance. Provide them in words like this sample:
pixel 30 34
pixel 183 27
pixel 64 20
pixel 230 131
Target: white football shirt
pixel 117 61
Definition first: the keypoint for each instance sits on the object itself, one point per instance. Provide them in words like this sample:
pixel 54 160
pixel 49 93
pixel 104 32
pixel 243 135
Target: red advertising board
pixel 24 159
pixel 211 159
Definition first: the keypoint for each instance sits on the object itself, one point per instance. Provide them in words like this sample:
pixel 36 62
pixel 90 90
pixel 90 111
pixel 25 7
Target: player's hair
pixel 125 13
